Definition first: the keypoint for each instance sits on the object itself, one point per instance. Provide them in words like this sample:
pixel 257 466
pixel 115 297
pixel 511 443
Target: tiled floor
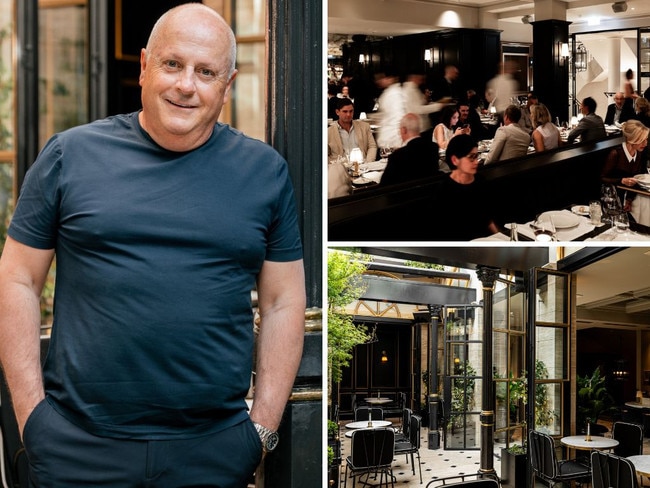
pixel 437 463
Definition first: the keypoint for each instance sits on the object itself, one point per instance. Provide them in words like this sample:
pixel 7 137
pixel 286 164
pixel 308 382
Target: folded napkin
pixel 374 175
pixel 374 166
pixel 561 235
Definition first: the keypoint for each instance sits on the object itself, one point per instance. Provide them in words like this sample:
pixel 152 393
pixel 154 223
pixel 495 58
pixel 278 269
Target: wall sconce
pixel 581 57
pixel 428 57
pixel 364 58
pixel 564 53
pixel 384 357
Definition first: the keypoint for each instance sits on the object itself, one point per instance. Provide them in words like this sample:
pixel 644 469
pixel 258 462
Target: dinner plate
pixel 643 179
pixel 563 220
pixel 580 210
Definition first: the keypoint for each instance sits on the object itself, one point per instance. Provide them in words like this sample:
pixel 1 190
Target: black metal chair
pixel 402 433
pixel 363 413
pixel 629 437
pixel 545 464
pixel 371 452
pixel 612 471
pixel 481 481
pixel 412 445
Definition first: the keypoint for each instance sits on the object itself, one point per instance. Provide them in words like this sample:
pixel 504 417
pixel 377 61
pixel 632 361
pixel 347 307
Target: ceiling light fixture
pixel 619 7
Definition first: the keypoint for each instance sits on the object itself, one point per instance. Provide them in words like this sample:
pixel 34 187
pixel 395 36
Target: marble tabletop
pixel 363 424
pixel 596 442
pixel 641 464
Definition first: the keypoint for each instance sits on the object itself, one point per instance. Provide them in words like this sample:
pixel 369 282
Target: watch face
pixel 272 441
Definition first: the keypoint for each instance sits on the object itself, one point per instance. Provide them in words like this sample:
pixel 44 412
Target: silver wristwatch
pixel 268 437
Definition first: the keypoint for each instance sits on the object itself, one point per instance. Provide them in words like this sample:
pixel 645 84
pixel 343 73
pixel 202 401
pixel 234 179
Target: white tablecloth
pixel 561 235
pixel 640 209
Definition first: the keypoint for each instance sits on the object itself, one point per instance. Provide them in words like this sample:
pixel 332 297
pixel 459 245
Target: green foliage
pixel 332 428
pixel 344 286
pixel 462 391
pixel 544 415
pixel 593 397
pixel 330 455
pixel 417 264
pixel 517 449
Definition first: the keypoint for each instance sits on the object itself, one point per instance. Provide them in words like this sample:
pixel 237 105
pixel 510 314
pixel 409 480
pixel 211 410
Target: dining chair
pixel 371 452
pixel 412 445
pixel 629 437
pixel 612 471
pixel 545 464
pixel 479 480
pixel 403 433
pixel 363 413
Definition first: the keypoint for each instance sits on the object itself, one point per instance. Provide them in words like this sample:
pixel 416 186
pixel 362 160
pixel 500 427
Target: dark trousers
pixel 62 455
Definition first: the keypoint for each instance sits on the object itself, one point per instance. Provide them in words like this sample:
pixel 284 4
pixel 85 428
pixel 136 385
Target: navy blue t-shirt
pixel 157 253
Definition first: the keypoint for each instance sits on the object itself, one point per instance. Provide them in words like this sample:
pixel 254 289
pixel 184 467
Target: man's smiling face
pixel 185 81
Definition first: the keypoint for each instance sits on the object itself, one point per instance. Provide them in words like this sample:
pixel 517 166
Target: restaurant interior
pixel 483 344
pixel 561 51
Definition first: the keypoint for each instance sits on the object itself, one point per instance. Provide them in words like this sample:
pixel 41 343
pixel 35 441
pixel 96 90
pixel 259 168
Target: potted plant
pixel 333 452
pixel 514 463
pixel 593 398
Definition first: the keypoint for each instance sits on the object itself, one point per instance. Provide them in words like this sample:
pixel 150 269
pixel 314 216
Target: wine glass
pixel 611 204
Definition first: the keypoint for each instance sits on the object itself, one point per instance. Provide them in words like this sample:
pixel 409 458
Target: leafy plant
pixel 593 397
pixel 344 286
pixel 517 449
pixel 330 455
pixel 332 428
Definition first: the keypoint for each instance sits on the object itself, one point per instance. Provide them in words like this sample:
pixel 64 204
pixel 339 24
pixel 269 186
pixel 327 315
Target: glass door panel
pixel 463 371
pixel 551 350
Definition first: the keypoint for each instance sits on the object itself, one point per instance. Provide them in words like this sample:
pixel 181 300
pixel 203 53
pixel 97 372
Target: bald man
pixel 416 159
pixel 162 222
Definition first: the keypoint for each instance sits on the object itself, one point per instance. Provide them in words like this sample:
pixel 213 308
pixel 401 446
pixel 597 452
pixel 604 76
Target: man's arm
pixel 371 154
pixel 23 271
pixel 496 148
pixel 281 299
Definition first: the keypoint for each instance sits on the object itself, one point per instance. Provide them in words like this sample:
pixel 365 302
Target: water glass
pixel 595 212
pixel 621 222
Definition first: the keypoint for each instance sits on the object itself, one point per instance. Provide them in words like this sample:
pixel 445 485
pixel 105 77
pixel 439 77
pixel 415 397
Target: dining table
pixel 594 442
pixel 641 464
pixel 378 400
pixel 572 224
pixel 365 424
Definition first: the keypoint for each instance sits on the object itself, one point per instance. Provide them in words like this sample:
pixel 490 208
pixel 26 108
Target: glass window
pixel 63 66
pixel 552 299
pixel 248 102
pixel 7 116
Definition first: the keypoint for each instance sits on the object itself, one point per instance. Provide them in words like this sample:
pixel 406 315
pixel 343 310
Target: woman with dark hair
pixel 461 209
pixel 444 131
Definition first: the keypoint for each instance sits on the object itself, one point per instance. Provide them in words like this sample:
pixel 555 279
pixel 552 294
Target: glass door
pixel 509 363
pixel 462 381
pixel 549 343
